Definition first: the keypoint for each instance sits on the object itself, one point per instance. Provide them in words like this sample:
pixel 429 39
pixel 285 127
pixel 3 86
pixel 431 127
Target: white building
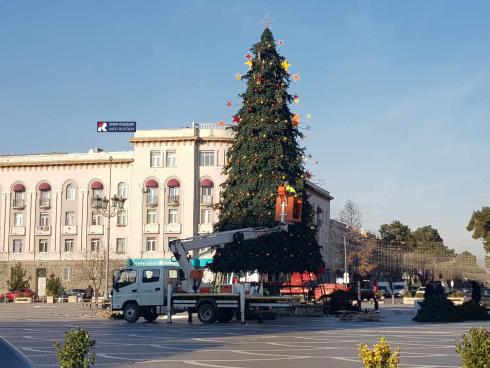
pixel 171 181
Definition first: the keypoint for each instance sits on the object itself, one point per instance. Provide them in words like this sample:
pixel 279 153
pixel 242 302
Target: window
pixel 96 218
pixel 18 246
pixel 151 276
pixel 121 245
pixel 69 245
pixel 206 195
pixel 173 194
pixel 70 192
pixel 44 200
pixel 206 159
pixel 122 190
pixel 156 159
pixel 125 278
pixel 172 216
pixel 94 245
pixel 43 245
pixel 122 218
pixel 171 158
pixel 19 196
pixel 66 273
pixel 173 274
pixel 44 219
pixel 19 219
pixel 70 218
pixel 206 216
pixel 150 244
pixel 152 195
pixel 151 217
pixel 97 193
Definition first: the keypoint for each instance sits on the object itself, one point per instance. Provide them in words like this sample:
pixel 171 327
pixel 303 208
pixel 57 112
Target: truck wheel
pixel 150 317
pixel 225 316
pixel 131 313
pixel 206 313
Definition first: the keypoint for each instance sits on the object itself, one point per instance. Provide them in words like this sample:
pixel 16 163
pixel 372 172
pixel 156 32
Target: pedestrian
pixel 429 290
pixel 475 292
pixel 96 296
pixel 439 290
pixel 88 293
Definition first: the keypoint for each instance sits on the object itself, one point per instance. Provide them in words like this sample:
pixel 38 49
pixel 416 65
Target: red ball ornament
pixel 237 204
pixel 251 180
pixel 231 254
pixel 277 177
pixel 256 138
pixel 262 214
pixel 243 194
pixel 233 216
pixel 277 167
pixel 273 105
pixel 238 161
pixel 229 179
pixel 255 124
pixel 277 84
pixel 273 142
pixel 265 199
pixel 267 176
pixel 260 191
pixel 297 182
pixel 256 160
pixel 249 109
pixel 263 67
pixel 256 90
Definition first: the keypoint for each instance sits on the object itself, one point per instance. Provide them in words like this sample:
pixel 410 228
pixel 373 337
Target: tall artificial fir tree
pixel 264 156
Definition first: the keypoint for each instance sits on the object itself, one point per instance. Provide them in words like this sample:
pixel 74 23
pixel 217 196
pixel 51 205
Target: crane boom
pixel 181 247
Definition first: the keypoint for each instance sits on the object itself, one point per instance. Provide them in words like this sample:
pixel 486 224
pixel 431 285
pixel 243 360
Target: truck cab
pixel 140 291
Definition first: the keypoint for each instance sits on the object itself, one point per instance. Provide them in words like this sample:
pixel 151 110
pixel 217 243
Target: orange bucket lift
pixel 288 207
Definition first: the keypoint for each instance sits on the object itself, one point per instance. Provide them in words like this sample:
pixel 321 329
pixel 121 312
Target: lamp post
pixel 106 209
pixel 345 261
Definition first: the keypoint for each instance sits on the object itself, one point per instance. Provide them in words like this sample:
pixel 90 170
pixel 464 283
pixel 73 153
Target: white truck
pixel 149 291
pixel 399 288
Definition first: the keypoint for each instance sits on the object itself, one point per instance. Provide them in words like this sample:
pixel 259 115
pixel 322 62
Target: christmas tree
pixel 265 155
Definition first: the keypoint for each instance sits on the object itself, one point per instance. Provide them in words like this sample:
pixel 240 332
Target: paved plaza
pixel 285 342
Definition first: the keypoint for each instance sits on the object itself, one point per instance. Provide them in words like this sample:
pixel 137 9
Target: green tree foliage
pixel 438 309
pixel 381 356
pixel 53 286
pixel 18 278
pixel 265 155
pixel 395 231
pixel 480 225
pixel 475 351
pixel 75 351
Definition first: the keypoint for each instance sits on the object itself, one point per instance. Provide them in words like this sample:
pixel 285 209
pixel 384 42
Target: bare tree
pixel 90 266
pixel 351 216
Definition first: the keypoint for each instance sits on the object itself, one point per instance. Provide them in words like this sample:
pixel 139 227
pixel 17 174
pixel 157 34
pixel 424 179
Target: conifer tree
pixel 264 156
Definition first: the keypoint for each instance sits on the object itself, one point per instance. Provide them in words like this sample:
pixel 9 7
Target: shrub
pixel 76 349
pixel 380 357
pixel 53 286
pixel 407 294
pixel 18 279
pixel 471 311
pixel 419 295
pixel 456 294
pixel 475 353
pixel 438 309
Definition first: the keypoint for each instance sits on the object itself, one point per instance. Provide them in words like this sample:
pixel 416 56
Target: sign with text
pixel 162 262
pixel 116 126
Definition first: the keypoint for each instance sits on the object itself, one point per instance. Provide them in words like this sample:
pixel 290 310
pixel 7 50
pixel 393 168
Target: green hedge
pixel 440 309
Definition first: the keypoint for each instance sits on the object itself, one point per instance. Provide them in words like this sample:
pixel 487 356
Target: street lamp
pixel 346 274
pixel 101 205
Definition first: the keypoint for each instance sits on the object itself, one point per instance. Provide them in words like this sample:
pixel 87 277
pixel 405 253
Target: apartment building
pixel 170 182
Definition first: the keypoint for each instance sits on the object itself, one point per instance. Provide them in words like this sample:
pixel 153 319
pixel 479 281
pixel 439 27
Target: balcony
pixel 69 230
pixel 205 228
pixel 44 203
pixel 173 201
pixel 42 256
pixel 19 204
pixel 173 228
pixel 207 200
pixel 96 229
pixel 152 229
pixel 43 230
pixel 152 201
pixel 17 230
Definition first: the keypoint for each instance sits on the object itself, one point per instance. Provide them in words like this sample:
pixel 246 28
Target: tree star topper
pixel 267 22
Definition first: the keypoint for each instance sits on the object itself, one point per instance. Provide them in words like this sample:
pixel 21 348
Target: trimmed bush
pixel 475 352
pixel 456 294
pixel 471 311
pixel 380 357
pixel 407 294
pixel 75 351
pixel 419 295
pixel 438 309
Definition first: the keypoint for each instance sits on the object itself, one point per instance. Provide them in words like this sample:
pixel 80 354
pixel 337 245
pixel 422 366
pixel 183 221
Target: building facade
pixel 170 182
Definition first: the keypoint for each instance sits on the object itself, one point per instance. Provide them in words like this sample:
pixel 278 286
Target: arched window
pixel 70 192
pixel 122 190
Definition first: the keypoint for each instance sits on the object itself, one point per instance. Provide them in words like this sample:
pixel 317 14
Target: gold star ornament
pixel 249 63
pixel 238 76
pixel 285 65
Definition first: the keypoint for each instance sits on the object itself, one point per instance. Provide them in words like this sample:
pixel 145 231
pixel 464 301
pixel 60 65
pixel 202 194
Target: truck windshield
pixel 125 278
pixel 382 287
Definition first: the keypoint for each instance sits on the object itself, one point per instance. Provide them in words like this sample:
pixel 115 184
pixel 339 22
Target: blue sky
pixel 399 93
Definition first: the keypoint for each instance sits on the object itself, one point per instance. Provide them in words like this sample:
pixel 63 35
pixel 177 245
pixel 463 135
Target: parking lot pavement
pixel 285 342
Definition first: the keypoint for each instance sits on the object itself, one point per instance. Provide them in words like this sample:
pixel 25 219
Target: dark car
pixel 485 297
pixel 11 295
pixel 71 292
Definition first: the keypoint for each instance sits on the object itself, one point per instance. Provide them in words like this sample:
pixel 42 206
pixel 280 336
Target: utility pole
pixel 345 261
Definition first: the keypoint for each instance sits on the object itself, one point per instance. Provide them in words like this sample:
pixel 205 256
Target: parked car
pixel 11 295
pixel 399 288
pixel 420 290
pixel 78 292
pixel 485 297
